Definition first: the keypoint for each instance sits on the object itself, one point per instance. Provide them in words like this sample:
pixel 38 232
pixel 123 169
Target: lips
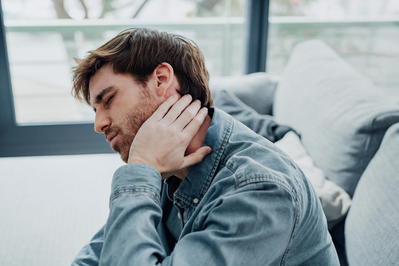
pixel 110 138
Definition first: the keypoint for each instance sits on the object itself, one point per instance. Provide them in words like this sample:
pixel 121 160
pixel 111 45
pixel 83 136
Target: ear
pixel 164 76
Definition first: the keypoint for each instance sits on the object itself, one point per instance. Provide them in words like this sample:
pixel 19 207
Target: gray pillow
pixel 372 224
pixel 339 114
pixel 255 90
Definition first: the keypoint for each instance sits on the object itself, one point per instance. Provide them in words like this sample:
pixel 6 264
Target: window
pixel 43 37
pixel 364 33
pixel 39 39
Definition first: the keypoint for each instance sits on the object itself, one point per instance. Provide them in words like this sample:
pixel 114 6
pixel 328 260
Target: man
pixel 199 188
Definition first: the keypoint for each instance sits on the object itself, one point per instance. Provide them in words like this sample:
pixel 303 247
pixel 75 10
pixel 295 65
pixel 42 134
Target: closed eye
pixel 109 99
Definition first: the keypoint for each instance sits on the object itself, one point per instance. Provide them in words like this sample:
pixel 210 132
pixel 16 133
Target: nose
pixel 101 122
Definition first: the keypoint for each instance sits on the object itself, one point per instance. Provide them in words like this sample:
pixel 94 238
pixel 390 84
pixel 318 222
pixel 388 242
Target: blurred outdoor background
pixel 43 37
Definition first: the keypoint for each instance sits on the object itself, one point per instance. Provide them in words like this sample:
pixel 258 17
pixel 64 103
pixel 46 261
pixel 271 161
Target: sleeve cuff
pixel 137 176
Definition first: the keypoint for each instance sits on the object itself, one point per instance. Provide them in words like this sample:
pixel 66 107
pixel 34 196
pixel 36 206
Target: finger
pixel 188 114
pixel 196 157
pixel 177 109
pixel 164 107
pixel 192 128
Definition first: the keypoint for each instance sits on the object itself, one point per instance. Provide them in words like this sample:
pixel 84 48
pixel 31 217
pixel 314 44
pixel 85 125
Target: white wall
pixel 51 206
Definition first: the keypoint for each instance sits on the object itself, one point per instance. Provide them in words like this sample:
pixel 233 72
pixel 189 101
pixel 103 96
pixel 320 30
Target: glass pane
pixel 364 32
pixel 43 37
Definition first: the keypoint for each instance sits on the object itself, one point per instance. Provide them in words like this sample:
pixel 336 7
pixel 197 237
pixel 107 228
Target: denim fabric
pixel 246 203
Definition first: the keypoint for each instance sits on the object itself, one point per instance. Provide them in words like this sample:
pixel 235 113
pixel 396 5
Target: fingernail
pixel 174 97
pixel 188 96
pixel 204 110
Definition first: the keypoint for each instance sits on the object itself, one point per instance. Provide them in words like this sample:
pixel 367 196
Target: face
pixel 121 105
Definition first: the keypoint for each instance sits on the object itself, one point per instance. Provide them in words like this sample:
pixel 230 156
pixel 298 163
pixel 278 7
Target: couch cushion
pixel 255 90
pixel 340 115
pixel 371 226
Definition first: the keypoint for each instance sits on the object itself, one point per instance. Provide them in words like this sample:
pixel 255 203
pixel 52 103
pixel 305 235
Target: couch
pixel 350 129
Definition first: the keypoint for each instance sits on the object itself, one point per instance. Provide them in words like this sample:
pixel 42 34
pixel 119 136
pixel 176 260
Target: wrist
pixel 140 160
pixel 133 159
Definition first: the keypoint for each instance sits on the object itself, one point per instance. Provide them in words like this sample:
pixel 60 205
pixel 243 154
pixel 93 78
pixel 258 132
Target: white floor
pixel 51 206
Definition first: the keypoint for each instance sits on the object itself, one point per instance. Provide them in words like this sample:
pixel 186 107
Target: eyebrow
pixel 100 96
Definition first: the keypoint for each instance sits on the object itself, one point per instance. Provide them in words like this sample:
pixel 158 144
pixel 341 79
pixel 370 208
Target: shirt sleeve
pixel 252 226
pixel 89 255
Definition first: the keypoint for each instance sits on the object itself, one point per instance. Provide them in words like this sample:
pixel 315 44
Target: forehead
pixel 104 75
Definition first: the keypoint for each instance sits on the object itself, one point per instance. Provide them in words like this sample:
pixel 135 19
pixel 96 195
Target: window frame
pixel 257 34
pixel 80 138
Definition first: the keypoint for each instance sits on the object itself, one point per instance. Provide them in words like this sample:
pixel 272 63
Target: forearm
pixel 130 235
pixel 132 222
pixel 89 255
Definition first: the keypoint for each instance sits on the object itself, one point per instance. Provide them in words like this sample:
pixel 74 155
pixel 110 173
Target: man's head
pixel 138 52
pixel 126 79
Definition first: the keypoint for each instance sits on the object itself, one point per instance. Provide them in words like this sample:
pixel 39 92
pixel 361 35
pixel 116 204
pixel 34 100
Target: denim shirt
pixel 246 203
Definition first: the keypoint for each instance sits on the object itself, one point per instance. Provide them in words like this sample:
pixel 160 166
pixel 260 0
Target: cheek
pixel 130 121
pixel 129 115
pixel 119 113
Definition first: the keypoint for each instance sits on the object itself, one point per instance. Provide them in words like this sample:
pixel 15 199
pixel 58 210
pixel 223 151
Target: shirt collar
pixel 200 176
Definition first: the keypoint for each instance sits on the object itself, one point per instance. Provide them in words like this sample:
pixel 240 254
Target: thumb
pixel 196 157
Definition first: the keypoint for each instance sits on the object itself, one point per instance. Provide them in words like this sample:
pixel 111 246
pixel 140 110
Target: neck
pixel 196 143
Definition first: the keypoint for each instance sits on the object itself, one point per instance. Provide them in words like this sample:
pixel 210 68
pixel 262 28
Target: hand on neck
pixel 196 143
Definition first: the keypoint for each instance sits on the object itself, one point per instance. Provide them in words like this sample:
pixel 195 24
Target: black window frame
pixel 80 138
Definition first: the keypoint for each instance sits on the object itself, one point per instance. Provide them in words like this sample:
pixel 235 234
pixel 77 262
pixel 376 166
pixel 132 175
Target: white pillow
pixel 334 200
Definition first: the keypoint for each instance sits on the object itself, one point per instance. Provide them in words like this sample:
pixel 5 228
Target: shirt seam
pixel 218 158
pixel 297 216
pixel 282 184
pixel 258 178
pixel 279 183
pixel 187 199
pixel 121 191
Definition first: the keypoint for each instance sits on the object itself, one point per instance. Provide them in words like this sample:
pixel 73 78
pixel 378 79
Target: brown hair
pixel 138 52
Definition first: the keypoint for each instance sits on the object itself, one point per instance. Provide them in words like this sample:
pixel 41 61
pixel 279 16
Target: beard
pixel 140 112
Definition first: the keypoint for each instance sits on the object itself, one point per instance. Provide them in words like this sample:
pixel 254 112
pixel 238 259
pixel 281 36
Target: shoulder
pixel 250 158
pixel 246 161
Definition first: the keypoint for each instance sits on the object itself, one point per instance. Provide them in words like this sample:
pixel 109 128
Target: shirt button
pixel 178 215
pixel 195 201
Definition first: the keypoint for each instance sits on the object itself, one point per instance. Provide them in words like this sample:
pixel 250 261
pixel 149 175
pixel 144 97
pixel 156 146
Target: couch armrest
pixel 371 226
